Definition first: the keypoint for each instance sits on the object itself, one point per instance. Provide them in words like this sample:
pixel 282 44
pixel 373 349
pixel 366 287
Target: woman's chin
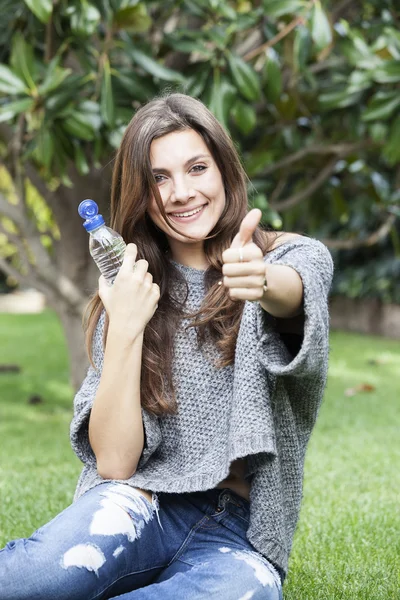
pixel 197 234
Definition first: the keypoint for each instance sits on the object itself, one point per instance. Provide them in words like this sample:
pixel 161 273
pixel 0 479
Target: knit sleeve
pixel 83 402
pixel 313 262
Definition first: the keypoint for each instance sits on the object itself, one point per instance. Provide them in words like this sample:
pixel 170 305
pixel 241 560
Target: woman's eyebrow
pixel 187 163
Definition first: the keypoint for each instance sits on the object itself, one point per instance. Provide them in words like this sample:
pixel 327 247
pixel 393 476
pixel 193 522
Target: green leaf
pixel 388 72
pixel 244 116
pixel 8 111
pixel 136 86
pixel 115 136
pixel 132 18
pixel 340 99
pixel 154 67
pixel 80 160
pixel 245 78
pixel 272 217
pixel 42 9
pixel 227 11
pixel 260 201
pixel 273 74
pixel 222 98
pixel 301 47
pixel 191 45
pixel 122 116
pixel 85 19
pixel 358 53
pixel 64 143
pixel 54 77
pixel 45 148
pixel 277 8
pixel 107 99
pixel 76 124
pixel 60 101
pixel 10 83
pixel 382 106
pixel 22 60
pixel 91 111
pixel 321 31
pixel 196 82
pixel 359 81
pixel 258 160
pixel 194 8
pixel 219 36
pixel 379 132
pixel 98 150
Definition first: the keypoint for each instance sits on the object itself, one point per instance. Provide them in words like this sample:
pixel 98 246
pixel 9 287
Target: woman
pixel 192 423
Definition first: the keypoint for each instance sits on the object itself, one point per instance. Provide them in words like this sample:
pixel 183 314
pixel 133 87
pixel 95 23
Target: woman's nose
pixel 182 190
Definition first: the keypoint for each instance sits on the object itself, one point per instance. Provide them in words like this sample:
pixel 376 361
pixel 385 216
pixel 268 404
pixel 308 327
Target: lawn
pixel 347 545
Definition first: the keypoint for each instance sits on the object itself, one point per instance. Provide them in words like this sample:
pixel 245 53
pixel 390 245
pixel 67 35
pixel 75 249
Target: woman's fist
pixel 133 298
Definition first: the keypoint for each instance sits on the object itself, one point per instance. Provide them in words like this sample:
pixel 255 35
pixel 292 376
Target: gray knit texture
pixel 263 406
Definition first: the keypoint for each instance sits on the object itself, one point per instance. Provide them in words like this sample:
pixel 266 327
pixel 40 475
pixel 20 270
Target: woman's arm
pixel 115 425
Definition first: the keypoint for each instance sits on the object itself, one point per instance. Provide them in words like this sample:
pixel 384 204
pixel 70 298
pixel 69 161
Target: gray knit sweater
pixel 263 406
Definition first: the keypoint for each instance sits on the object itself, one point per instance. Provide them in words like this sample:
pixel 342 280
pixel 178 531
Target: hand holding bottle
pixel 132 300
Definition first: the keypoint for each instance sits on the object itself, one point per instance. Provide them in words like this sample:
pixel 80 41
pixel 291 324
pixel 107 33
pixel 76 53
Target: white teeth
pixel 187 214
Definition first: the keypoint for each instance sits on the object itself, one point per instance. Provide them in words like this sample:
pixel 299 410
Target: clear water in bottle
pixel 107 249
pixel 106 246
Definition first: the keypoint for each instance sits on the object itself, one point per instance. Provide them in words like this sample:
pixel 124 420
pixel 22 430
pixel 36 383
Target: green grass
pixel 347 544
pixel 38 470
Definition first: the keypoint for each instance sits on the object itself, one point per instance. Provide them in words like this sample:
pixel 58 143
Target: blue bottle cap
pixel 88 210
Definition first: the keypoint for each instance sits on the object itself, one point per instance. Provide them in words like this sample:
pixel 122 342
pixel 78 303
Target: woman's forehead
pixel 177 147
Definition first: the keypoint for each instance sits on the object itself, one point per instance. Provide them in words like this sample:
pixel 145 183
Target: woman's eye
pixel 198 168
pixel 159 178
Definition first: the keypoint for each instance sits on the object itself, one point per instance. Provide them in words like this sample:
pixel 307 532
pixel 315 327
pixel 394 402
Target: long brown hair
pixel 133 185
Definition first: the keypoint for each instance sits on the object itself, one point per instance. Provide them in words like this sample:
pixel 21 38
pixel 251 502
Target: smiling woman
pixel 208 363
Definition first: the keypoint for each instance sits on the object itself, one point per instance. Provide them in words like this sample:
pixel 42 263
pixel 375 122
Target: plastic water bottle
pixel 106 246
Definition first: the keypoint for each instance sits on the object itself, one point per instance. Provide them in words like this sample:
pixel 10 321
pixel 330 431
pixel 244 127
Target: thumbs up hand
pixel 244 269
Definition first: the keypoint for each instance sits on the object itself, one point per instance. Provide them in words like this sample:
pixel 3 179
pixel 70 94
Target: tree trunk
pixel 78 359
pixel 74 261
pixel 67 275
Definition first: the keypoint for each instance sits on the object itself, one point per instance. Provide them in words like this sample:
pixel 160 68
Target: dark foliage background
pixel 309 90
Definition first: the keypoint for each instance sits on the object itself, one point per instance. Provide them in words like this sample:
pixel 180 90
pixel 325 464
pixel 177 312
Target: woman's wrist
pixel 123 334
pixel 283 292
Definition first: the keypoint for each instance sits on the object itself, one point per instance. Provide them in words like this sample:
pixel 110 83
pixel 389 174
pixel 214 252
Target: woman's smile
pixel 188 215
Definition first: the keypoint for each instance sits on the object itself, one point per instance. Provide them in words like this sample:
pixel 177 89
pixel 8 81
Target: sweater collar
pixel 191 274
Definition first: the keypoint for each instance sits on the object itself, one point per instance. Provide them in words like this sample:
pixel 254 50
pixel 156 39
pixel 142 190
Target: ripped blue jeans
pixel 114 543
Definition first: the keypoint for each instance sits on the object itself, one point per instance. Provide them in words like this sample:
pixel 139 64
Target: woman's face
pixel 190 185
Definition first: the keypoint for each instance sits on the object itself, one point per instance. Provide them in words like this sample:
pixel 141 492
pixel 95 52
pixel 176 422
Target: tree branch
pixel 37 182
pixel 371 240
pixel 340 8
pixel 9 270
pixel 324 174
pixel 17 241
pixel 277 38
pixel 23 279
pixel 252 39
pixel 340 150
pixel 10 210
pixel 46 271
pixel 280 186
pixel 7 135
